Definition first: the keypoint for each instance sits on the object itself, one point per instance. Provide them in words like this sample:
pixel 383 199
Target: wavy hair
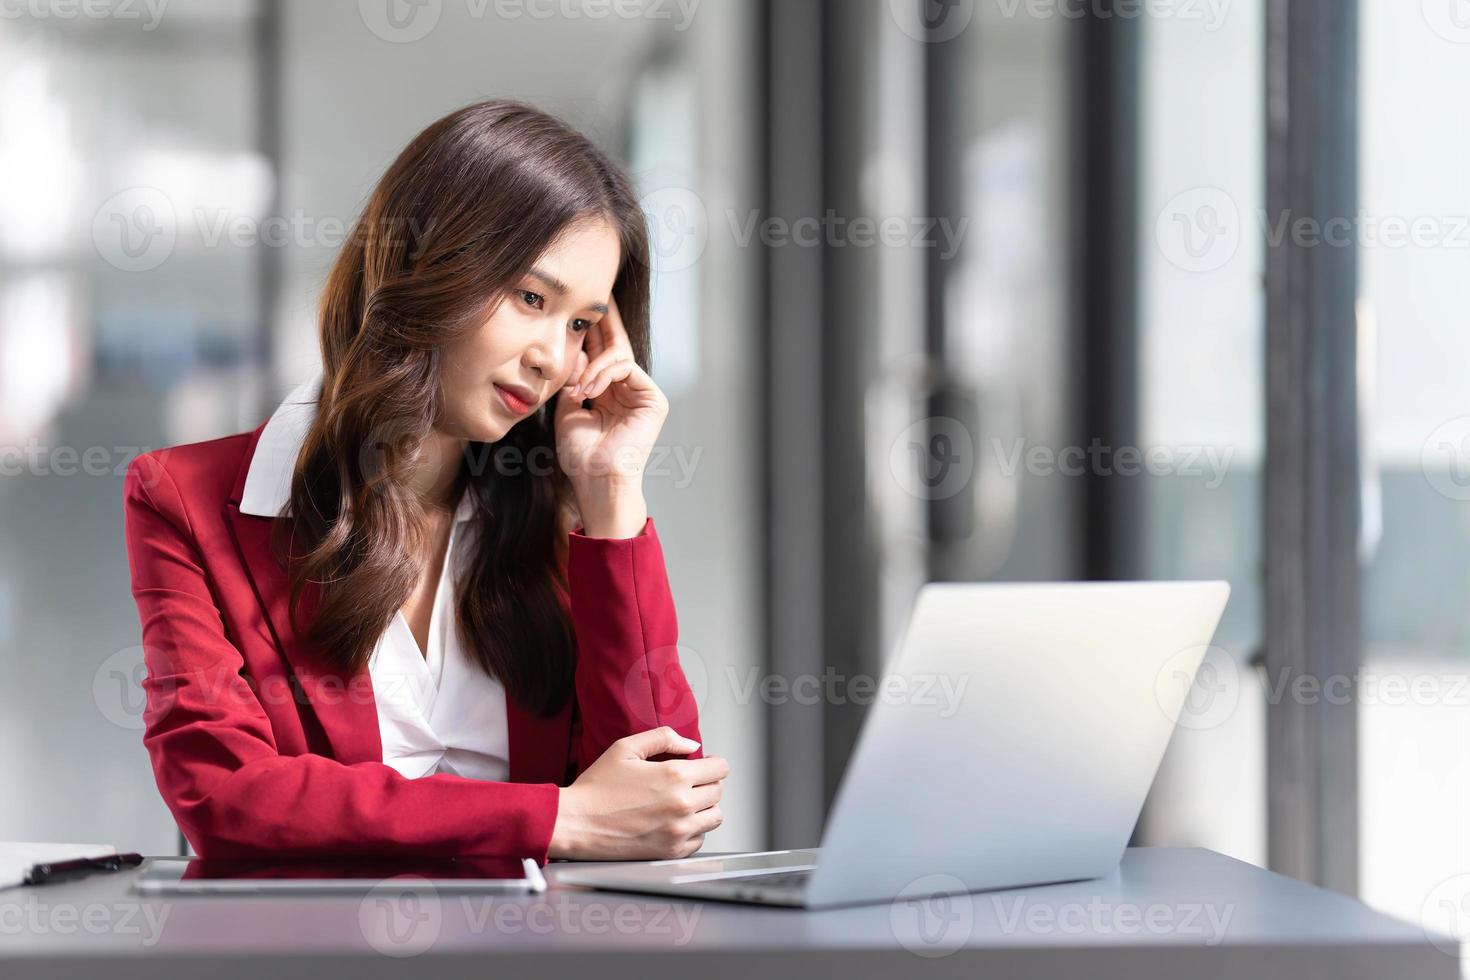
pixel 454 223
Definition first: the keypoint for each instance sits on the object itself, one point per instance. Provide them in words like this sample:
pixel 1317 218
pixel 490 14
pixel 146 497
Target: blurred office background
pixel 978 290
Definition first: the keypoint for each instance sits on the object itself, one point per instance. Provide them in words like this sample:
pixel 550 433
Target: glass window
pixel 1201 323
pixel 1414 226
pixel 129 320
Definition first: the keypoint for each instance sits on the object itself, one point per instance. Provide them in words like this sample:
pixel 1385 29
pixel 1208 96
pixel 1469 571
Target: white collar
pixel 268 484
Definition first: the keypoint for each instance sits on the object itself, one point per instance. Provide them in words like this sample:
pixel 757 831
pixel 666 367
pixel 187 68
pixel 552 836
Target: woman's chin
pixel 498 426
pixel 490 428
pixel 492 432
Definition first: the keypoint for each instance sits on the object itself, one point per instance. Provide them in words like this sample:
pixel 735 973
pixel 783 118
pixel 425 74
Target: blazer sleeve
pixel 213 752
pixel 628 676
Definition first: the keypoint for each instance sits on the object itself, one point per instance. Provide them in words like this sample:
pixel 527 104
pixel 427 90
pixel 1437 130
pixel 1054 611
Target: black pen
pixel 40 874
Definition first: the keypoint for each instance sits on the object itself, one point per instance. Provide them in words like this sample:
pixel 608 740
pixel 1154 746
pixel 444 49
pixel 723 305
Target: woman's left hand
pixel 603 448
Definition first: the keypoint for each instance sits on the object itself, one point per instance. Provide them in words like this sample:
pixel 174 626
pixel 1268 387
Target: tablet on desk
pixel 199 876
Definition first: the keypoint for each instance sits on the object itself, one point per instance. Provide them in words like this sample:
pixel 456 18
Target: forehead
pixel 585 257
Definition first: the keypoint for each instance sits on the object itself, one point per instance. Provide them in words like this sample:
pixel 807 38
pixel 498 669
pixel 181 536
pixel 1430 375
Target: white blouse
pixel 437 710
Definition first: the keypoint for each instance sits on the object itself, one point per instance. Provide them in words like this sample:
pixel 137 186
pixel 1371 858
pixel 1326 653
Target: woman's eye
pixel 533 300
pixel 581 325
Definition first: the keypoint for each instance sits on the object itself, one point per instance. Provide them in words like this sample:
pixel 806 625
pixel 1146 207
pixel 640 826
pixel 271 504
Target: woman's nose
pixel 547 352
pixel 544 354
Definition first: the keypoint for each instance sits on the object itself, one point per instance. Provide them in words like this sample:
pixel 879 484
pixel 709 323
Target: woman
pixel 422 609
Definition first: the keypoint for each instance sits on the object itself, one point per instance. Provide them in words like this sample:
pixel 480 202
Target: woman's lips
pixel 513 401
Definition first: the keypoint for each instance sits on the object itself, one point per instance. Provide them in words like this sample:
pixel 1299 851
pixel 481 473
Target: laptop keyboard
pixel 778 879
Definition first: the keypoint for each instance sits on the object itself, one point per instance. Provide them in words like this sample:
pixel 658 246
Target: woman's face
pixel 502 371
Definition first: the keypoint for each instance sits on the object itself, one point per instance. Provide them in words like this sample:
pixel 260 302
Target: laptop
pixel 1012 741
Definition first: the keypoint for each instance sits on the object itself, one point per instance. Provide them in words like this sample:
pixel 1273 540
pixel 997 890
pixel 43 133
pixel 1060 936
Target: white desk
pixel 1184 913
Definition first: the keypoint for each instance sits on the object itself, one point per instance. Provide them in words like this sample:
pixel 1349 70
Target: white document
pixel 18 857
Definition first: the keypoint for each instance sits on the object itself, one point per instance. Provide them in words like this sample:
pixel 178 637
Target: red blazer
pixel 259 748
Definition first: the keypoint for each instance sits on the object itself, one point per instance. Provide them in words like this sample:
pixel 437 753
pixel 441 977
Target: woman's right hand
pixel 625 807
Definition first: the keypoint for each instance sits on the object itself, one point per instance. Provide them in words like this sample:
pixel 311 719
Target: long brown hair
pixel 453 224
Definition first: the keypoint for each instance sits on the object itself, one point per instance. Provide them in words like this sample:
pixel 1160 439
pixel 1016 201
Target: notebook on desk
pixel 17 858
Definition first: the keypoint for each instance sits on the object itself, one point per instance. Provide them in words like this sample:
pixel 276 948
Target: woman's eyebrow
pixel 560 288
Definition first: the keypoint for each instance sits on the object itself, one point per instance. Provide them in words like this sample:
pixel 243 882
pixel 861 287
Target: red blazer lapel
pixel 344 705
pixel 539 746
